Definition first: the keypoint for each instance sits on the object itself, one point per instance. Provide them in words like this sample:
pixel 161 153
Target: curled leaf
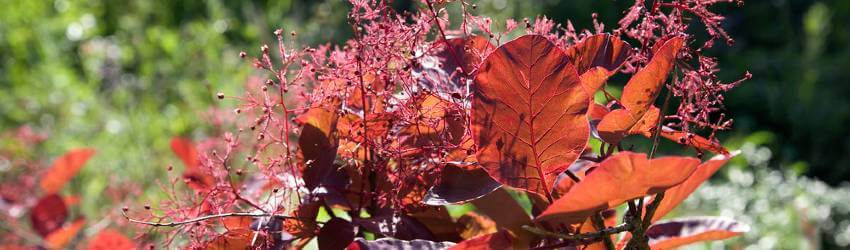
pixel 683 231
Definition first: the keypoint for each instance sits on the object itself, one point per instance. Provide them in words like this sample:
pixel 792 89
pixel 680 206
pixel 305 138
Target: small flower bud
pixel 220 95
pixel 237 111
pixel 242 54
pixel 147 207
pixel 278 32
pixel 125 209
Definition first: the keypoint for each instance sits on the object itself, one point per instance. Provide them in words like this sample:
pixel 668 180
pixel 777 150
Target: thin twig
pixel 208 217
pixel 583 237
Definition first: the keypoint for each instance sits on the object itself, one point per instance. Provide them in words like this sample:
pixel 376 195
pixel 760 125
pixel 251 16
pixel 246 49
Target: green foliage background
pixel 125 76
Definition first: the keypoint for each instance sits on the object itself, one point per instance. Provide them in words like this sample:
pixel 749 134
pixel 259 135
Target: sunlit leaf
pixel 48 214
pixel 475 225
pixel 601 50
pixel 640 93
pixel 693 140
pixel 498 240
pixel 64 168
pixel 61 237
pixel 528 114
pixel 621 177
pixel 111 240
pixel 678 193
pixel 186 151
pixel 683 231
pixel 645 85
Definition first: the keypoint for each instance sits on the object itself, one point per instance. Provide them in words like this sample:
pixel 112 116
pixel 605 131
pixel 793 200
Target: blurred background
pixel 124 77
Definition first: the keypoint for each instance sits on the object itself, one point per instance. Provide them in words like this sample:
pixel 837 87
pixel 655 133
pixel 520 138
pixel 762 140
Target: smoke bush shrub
pixel 363 144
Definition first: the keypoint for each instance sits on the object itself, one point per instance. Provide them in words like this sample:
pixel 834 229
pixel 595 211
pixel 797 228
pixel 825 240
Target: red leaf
pixel 48 214
pixel 602 50
pixel 185 149
pixel 622 177
pixel 528 114
pixel 678 193
pixel 680 232
pixel 693 140
pixel 336 234
pixel 464 52
pixel 317 145
pixel 459 185
pixel 498 240
pixel 64 168
pixel 645 85
pixel 640 93
pixel 61 237
pixel 232 240
pixel 110 240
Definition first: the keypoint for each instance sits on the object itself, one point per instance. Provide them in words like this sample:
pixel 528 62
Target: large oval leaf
pixel 64 168
pixel 677 194
pixel 619 178
pixel 528 114
pixel 683 231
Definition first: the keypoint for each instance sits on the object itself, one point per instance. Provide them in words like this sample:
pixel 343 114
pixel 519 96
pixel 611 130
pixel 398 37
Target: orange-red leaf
pixel 498 240
pixel 317 145
pixel 110 240
pixel 64 168
pixel 601 50
pixel 642 89
pixel 528 114
pixel 680 232
pixel 464 52
pixel 619 178
pixel 185 149
pixel 61 237
pixel 48 214
pixel 693 140
pixel 639 94
pixel 678 193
